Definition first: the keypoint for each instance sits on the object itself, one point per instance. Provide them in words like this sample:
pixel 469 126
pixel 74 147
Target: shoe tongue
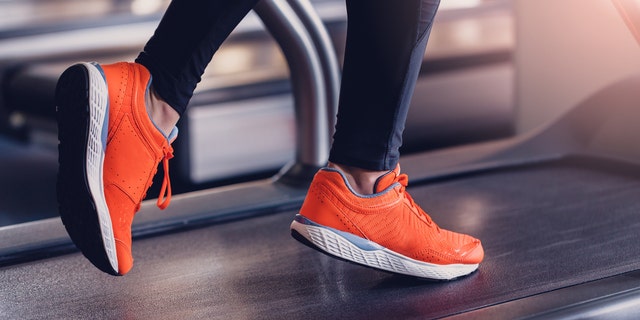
pixel 386 180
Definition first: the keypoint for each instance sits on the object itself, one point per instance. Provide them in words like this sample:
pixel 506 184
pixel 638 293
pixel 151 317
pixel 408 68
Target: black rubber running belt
pixel 543 227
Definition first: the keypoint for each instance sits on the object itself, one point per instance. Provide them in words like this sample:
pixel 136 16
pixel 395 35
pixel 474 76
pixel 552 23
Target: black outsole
pixel 75 203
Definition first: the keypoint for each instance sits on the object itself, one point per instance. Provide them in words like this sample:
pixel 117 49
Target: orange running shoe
pixel 109 152
pixel 385 230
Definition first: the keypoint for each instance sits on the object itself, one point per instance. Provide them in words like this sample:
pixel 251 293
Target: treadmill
pixel 556 209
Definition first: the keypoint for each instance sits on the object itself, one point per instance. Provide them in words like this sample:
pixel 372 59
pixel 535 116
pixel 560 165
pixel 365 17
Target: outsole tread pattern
pixel 333 244
pixel 82 106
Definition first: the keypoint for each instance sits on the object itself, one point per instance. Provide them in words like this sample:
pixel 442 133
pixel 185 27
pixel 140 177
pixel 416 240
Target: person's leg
pixel 385 46
pixel 116 125
pixel 358 208
pixel 186 39
pixel 386 41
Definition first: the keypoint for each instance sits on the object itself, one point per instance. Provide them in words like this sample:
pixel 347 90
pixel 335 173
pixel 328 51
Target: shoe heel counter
pixel 314 203
pixel 322 205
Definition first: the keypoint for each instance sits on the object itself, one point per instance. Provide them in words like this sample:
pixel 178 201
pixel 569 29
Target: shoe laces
pixel 165 191
pixel 403 179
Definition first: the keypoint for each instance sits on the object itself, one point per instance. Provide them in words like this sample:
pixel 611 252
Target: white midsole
pixel 383 258
pixel 98 107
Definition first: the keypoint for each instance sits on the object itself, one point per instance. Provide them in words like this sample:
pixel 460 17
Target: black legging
pixel 386 40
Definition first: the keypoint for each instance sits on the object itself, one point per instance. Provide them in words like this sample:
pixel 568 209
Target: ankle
pixel 362 181
pixel 160 112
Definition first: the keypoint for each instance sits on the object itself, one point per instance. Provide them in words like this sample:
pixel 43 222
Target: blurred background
pixel 493 69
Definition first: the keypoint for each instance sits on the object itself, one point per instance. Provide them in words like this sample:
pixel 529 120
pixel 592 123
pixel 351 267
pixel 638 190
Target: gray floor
pixel 543 227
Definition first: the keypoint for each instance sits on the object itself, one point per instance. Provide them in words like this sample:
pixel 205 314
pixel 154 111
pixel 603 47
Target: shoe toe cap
pixel 473 252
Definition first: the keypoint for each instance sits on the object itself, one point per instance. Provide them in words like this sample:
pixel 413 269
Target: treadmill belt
pixel 543 227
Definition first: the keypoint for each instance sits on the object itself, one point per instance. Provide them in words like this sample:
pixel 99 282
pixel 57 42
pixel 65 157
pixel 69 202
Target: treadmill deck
pixel 544 227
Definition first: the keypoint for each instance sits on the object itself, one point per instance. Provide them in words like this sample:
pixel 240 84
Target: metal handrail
pixel 314 74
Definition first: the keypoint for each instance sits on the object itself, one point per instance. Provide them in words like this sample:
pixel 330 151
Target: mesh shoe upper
pixel 389 217
pixel 135 147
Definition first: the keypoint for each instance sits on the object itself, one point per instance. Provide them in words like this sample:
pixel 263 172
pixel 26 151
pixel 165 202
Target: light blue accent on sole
pixel 361 243
pixel 105 125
